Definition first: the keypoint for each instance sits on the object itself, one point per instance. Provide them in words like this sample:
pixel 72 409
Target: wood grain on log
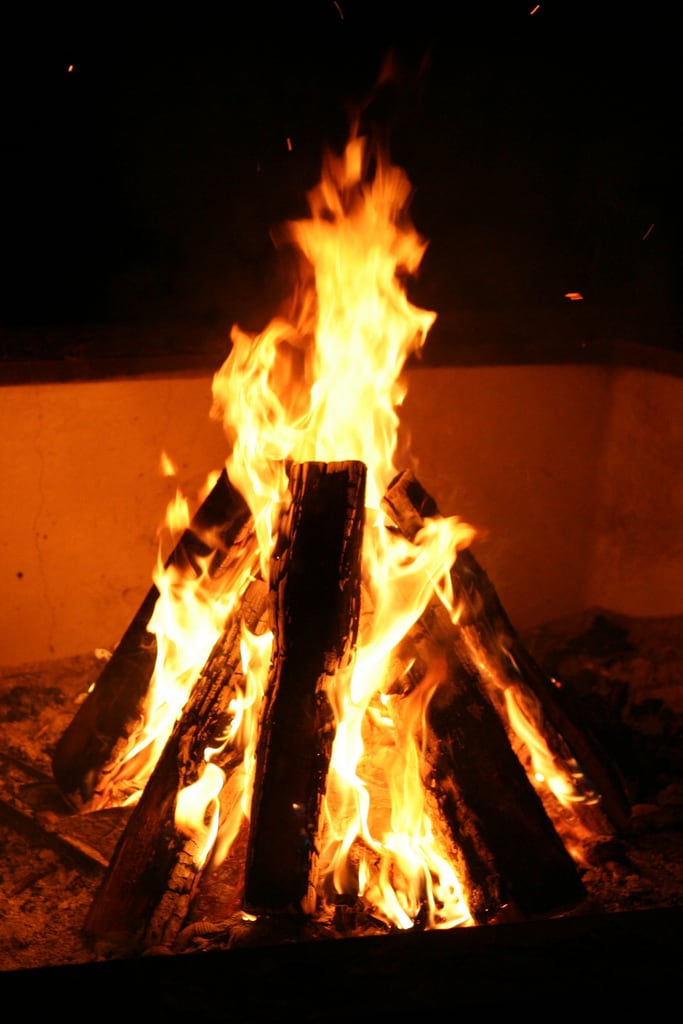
pixel 315 587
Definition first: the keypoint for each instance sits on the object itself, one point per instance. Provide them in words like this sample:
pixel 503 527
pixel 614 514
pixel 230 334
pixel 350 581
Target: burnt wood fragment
pixel 98 737
pixel 507 853
pixel 487 642
pixel 315 586
pixel 149 885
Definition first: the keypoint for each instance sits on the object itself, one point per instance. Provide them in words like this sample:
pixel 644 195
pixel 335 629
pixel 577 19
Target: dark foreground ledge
pixel 620 960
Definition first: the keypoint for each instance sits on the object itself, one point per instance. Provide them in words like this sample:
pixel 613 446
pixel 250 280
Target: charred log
pixel 157 864
pixel 315 586
pixel 98 736
pixel 489 645
pixel 507 853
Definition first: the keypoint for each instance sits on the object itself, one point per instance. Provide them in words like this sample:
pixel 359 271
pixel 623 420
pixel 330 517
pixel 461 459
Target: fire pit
pixel 625 675
pixel 320 722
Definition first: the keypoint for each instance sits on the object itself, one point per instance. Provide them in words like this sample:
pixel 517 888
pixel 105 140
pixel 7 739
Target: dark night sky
pixel 142 185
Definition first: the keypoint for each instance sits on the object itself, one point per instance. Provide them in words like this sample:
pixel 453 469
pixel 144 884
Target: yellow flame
pixel 324 381
pixel 255 653
pixel 197 811
pixel 545 769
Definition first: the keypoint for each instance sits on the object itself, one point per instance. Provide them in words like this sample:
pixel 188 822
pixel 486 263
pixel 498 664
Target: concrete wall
pixel 638 541
pixel 517 452
pixel 571 473
pixel 83 496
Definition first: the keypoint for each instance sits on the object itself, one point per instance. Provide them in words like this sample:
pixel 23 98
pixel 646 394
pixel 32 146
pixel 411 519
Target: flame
pixel 197 811
pixel 236 798
pixel 324 381
pixel 564 783
pixel 329 377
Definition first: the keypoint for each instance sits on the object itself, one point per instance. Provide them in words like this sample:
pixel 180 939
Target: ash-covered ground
pixel 622 680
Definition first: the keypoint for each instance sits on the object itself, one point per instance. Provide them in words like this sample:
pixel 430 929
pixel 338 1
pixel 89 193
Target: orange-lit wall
pixel 572 473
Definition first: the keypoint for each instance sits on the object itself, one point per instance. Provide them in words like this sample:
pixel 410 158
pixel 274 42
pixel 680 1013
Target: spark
pixel 648 232
pixel 534 9
pixel 573 296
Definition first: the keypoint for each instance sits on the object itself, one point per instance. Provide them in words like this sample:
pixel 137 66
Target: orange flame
pixel 324 381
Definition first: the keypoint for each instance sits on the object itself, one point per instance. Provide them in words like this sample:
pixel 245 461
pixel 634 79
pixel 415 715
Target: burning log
pixel 507 852
pixel 316 587
pixel 315 596
pixel 508 855
pixel 98 737
pixel 487 643
pixel 157 864
pixel 459 678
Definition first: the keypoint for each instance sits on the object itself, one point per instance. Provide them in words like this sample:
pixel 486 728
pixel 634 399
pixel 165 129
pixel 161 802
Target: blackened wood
pixel 148 888
pixel 315 585
pixel 486 638
pixel 97 738
pixel 506 851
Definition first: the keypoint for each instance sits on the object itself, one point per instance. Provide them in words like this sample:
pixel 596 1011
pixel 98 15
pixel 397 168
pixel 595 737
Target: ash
pixel 621 678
